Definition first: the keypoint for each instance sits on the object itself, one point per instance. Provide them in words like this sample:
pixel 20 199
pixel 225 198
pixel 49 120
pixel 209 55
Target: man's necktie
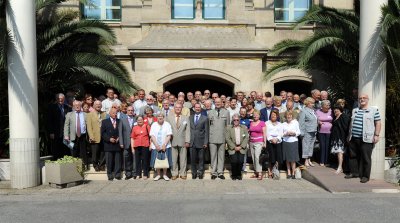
pixel 196 119
pixel 78 124
pixel 114 123
pixel 218 112
pixel 166 113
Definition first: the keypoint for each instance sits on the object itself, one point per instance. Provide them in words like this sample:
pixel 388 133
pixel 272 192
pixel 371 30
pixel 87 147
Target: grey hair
pixel 236 115
pixel 59 94
pixel 325 102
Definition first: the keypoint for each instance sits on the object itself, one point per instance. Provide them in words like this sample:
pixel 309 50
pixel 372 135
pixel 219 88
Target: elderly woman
pixel 324 115
pixel 274 141
pixel 257 133
pixel 278 104
pixel 342 103
pixel 237 138
pixel 290 145
pixel 140 147
pixel 149 119
pixel 339 132
pixel 308 130
pixel 161 133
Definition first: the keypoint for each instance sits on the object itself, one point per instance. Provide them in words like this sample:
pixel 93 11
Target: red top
pixel 140 135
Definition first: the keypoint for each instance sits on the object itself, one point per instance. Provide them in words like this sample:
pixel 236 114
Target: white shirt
pixel 293 126
pixel 107 103
pixel 139 104
pixel 165 131
pixel 233 111
pixel 274 131
pixel 82 122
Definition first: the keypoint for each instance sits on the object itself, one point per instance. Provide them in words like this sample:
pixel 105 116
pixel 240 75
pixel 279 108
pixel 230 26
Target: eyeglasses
pixel 236 120
pixel 207 93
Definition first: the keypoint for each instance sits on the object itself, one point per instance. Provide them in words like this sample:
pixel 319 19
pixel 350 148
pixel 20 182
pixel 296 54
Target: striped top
pixel 358 122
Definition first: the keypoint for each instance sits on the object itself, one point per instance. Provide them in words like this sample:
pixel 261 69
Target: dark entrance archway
pixel 199 83
pixel 295 86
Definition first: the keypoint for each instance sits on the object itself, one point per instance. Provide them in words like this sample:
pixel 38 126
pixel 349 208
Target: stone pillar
pixel 372 73
pixel 23 94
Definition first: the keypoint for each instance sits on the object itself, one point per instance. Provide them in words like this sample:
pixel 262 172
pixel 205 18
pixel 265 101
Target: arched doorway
pixel 194 83
pixel 295 86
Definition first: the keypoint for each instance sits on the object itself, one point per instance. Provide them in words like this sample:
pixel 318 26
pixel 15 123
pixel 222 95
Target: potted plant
pixel 64 171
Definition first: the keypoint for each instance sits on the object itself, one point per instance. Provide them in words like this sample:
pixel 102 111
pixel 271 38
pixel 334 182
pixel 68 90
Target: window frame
pixel 103 11
pixel 223 11
pixel 173 11
pixel 291 9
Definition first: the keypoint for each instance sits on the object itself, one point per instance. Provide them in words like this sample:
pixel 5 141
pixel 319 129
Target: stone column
pixel 372 73
pixel 23 94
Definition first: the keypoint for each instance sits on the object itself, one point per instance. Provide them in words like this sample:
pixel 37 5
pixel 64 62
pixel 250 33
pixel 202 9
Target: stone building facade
pixel 221 45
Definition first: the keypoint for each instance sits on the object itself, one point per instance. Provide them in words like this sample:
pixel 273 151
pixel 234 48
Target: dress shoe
pixel 103 168
pixel 288 176
pixel 183 177
pixel 201 176
pixel 349 176
pixel 174 177
pixel 110 179
pixel 127 178
pixel 221 177
pixel 194 177
pixel 239 177
pixel 364 180
pixel 213 177
pixel 234 178
pixel 97 169
pixel 118 178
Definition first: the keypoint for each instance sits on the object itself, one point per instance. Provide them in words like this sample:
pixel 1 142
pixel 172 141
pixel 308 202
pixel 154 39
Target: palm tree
pixel 332 50
pixel 70 52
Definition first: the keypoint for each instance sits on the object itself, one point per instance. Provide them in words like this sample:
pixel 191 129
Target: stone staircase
pixel 91 174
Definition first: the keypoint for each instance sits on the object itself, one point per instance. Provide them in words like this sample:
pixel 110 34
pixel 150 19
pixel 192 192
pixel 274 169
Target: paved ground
pixel 195 201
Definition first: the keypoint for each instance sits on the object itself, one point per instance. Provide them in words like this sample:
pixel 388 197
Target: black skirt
pixel 275 153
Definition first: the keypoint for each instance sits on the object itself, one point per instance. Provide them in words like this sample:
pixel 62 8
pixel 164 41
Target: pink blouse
pixel 256 132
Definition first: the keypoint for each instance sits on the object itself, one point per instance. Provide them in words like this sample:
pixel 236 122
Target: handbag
pixel 264 156
pixel 297 173
pixel 161 163
pixel 275 173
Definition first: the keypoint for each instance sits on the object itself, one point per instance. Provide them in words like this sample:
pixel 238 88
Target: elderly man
pixel 185 111
pixel 207 94
pixel 233 108
pixel 265 113
pixel 93 122
pixel 213 97
pixel 141 101
pixel 208 106
pixel 75 131
pixel 166 95
pixel 253 95
pixel 219 120
pixel 289 107
pixel 110 137
pixel 150 104
pixel 188 103
pixel 259 103
pixel 197 96
pixel 237 138
pixel 180 125
pixel 199 133
pixel 166 108
pixel 364 128
pixel 283 95
pixel 171 101
pixel 239 97
pixel 107 103
pixel 316 95
pixel 55 126
pixel 124 131
pixel 159 100
pixel 324 95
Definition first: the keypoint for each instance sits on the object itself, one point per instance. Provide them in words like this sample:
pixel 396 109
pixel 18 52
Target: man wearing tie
pixel 94 120
pixel 180 125
pixel 110 137
pixel 165 110
pixel 125 129
pixel 55 125
pixel 265 113
pixel 75 131
pixel 199 132
pixel 219 120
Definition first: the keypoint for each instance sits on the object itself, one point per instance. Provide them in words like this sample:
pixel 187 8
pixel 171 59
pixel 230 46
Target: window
pixel 290 10
pixel 213 9
pixel 108 10
pixel 183 9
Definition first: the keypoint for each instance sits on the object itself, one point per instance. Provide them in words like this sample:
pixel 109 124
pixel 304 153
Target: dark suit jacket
pixel 199 133
pixel 108 131
pixel 56 119
pixel 264 114
pixel 125 132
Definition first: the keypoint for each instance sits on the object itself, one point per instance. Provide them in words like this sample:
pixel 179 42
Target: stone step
pixel 91 174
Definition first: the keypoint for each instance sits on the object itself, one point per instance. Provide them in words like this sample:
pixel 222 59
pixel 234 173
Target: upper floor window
pixel 183 9
pixel 291 10
pixel 108 10
pixel 213 9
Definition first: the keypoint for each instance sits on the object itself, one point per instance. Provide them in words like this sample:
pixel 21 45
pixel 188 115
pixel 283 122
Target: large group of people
pixel 132 134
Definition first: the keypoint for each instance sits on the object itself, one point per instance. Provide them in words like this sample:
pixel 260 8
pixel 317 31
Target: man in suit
pixel 219 120
pixel 265 113
pixel 93 122
pixel 199 132
pixel 289 107
pixel 110 137
pixel 166 108
pixel 125 129
pixel 55 125
pixel 75 131
pixel 237 138
pixel 180 125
